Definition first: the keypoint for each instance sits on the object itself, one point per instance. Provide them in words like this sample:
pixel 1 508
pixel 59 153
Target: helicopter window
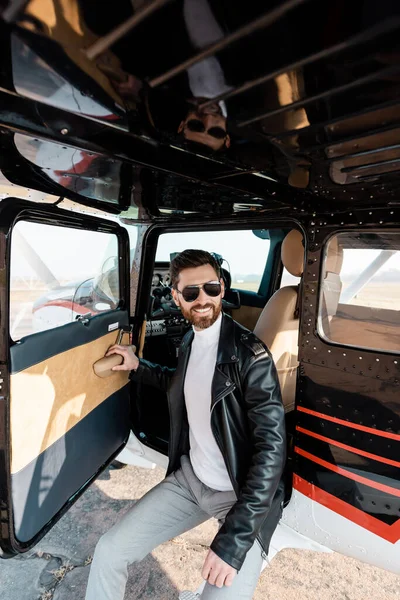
pixel 58 273
pixel 360 294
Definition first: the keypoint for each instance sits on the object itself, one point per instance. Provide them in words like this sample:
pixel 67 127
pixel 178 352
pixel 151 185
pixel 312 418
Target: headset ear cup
pixel 217 257
pixel 226 278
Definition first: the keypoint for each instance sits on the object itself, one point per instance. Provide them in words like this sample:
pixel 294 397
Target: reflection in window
pixel 86 173
pixel 34 78
pixel 360 294
pixel 58 273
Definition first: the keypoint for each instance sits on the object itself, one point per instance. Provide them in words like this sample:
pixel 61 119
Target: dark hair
pixel 188 259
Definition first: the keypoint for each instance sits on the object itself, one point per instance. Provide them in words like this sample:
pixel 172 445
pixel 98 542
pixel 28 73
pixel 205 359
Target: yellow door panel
pixel 51 397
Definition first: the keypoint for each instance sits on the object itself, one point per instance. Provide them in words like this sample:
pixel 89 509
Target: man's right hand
pixel 131 361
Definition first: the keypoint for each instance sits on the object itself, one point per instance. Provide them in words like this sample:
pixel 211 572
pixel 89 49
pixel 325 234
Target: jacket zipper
pixel 217 401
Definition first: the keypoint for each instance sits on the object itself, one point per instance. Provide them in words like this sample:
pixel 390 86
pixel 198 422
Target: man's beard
pixel 198 320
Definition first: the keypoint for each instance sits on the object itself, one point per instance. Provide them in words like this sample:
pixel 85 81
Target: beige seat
pixel 278 324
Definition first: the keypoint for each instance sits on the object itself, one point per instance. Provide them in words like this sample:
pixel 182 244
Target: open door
pixel 64 301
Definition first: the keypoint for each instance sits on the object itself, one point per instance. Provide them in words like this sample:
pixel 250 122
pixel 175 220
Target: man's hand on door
pixel 131 361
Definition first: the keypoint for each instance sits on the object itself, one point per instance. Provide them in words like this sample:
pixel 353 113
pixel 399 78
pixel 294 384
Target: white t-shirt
pixel 205 456
pixel 206 78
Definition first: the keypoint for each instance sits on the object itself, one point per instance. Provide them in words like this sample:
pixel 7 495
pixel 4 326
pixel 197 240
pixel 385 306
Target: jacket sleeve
pixel 266 423
pixel 152 374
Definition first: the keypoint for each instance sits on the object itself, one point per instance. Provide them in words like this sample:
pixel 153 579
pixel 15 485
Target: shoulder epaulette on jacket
pixel 253 343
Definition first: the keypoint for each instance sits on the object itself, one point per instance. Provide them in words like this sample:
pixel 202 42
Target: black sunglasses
pixel 198 126
pixel 190 293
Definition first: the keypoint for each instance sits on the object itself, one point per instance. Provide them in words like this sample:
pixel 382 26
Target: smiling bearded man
pixel 226 446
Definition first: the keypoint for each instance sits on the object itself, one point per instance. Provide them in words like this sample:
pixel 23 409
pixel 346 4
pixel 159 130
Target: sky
pixel 67 253
pixel 245 252
pixel 74 254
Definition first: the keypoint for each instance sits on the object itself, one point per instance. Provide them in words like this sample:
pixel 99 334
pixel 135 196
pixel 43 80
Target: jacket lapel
pixel 178 380
pixel 176 396
pixel 227 354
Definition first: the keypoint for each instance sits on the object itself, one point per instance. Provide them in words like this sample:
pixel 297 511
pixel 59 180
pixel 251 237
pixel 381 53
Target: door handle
pixel 103 367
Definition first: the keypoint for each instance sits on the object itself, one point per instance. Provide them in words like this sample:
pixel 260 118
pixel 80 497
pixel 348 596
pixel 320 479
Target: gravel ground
pixel 58 567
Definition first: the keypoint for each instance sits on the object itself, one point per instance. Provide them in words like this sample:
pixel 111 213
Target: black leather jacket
pixel 247 420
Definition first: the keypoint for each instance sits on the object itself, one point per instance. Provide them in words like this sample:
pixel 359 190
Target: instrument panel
pixel 161 278
pixel 162 303
pixel 165 317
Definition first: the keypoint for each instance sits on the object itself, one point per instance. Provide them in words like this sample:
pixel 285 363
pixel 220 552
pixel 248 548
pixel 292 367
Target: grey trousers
pixel 174 506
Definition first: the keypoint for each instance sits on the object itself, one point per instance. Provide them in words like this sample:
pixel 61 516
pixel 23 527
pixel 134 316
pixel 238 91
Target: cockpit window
pixel 244 253
pixel 360 293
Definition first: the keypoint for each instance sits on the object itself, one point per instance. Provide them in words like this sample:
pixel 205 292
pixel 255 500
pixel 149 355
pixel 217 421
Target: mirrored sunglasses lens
pixel 190 294
pixel 217 132
pixel 212 289
pixel 195 125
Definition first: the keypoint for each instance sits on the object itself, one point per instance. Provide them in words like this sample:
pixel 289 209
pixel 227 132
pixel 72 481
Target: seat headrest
pixel 226 276
pixel 292 253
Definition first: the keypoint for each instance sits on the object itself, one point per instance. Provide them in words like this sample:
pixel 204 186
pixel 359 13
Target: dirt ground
pixel 58 568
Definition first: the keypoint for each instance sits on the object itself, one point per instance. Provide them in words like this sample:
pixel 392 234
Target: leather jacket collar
pixel 227 349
